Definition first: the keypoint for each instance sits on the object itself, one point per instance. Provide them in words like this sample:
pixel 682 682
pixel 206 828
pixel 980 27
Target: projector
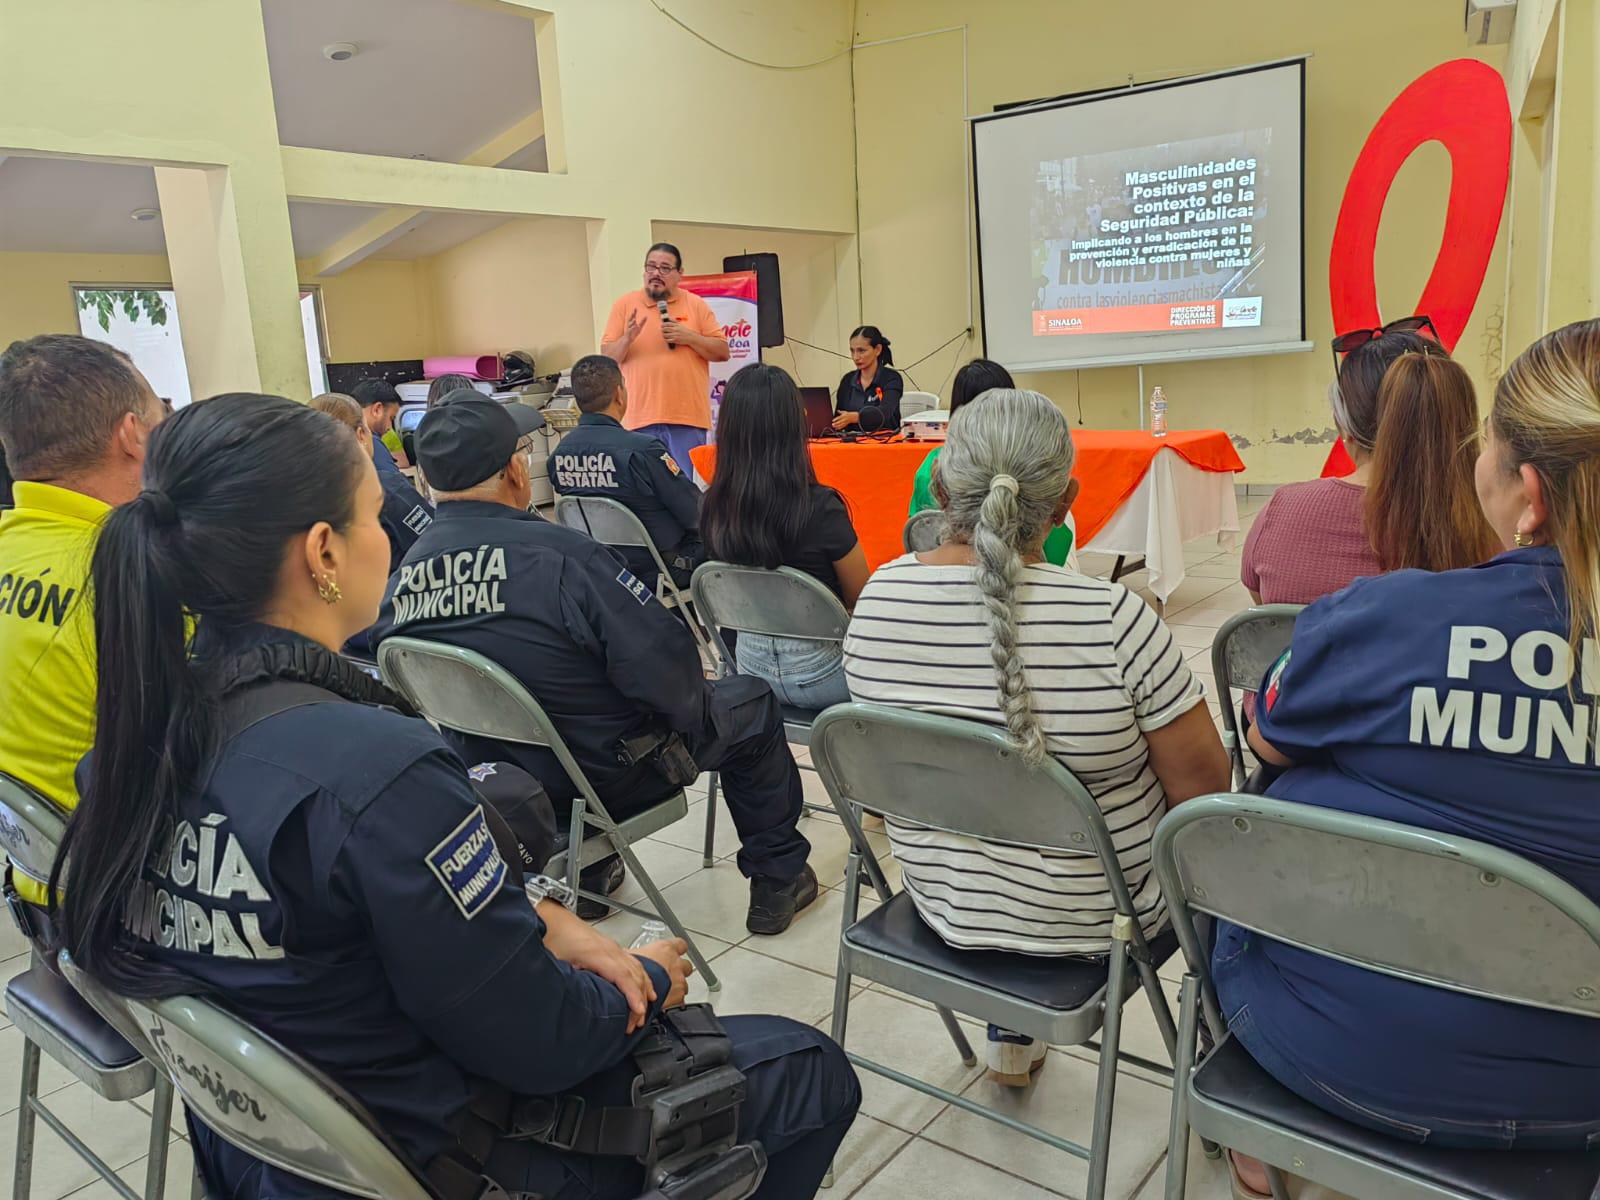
pixel 1488 22
pixel 927 426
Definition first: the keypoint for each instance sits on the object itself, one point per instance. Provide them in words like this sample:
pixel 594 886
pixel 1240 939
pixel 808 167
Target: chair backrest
pixel 1419 905
pixel 1249 642
pixel 259 1096
pixel 779 603
pixel 957 776
pixel 472 694
pixel 915 402
pixel 924 531
pixel 31 828
pixel 605 520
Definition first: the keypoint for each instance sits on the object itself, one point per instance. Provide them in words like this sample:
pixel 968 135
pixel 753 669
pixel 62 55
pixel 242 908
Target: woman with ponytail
pixel 868 397
pixel 236 837
pixel 1460 701
pixel 1073 667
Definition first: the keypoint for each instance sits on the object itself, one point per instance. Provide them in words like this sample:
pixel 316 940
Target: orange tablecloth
pixel 875 477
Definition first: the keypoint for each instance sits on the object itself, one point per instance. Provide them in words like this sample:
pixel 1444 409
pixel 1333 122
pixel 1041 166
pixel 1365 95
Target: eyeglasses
pixel 1357 338
pixel 657 269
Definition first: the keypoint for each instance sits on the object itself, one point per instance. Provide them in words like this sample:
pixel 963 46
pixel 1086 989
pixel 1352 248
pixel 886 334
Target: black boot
pixel 605 877
pixel 774 902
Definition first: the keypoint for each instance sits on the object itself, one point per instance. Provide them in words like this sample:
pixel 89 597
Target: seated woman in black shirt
pixel 765 508
pixel 868 398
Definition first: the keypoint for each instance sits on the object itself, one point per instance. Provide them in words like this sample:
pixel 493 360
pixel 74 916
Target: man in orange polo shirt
pixel 666 360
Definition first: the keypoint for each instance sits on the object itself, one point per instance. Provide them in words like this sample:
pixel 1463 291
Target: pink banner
pixel 474 366
pixel 732 297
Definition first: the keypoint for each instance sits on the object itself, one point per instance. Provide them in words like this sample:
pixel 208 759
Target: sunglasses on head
pixel 1357 338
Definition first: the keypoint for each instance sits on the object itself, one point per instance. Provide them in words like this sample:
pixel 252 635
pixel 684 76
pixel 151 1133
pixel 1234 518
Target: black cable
pixel 1077 381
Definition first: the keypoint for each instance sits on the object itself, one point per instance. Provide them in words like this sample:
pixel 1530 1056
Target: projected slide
pixel 1136 249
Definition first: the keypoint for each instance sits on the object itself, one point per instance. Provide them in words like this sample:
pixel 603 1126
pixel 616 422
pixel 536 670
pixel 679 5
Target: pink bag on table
pixel 490 367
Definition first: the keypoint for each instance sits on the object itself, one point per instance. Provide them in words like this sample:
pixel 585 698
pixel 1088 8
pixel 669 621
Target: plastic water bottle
pixel 651 932
pixel 1158 413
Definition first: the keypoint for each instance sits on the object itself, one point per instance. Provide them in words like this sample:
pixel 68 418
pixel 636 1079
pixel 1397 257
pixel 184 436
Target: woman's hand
pixel 846 420
pixel 670 956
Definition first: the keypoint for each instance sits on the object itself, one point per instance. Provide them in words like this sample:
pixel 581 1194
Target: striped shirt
pixel 1103 670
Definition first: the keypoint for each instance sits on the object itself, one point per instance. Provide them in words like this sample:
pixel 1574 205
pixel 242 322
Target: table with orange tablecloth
pixel 1122 499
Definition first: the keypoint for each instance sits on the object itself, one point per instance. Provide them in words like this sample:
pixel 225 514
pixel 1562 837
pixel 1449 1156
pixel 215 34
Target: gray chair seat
pixel 1230 1079
pixel 49 1011
pixel 635 828
pixel 1066 984
pixel 797 723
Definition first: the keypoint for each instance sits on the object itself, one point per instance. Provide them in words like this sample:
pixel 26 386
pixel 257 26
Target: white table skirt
pixel 1174 503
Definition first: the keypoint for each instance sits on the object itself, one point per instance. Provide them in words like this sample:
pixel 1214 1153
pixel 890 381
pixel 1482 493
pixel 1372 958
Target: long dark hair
pixel 976 378
pixel 1355 391
pixel 227 483
pixel 1421 507
pixel 760 496
pixel 875 339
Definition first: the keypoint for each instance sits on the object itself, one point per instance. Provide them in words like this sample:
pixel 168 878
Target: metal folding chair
pixel 53 1019
pixel 1416 904
pixel 923 531
pixel 613 523
pixel 463 690
pixel 258 1095
pixel 1246 645
pixel 779 603
pixel 937 772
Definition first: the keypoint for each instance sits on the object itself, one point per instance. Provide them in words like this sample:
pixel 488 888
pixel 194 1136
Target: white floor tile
pixel 115 1130
pixel 908 1038
pixel 52 1075
pixel 713 900
pixel 1190 637
pixel 690 833
pixel 754 983
pixel 813 940
pixel 928 1172
pixel 180 1166
pixel 12 943
pixel 1061 1101
pixel 867 1146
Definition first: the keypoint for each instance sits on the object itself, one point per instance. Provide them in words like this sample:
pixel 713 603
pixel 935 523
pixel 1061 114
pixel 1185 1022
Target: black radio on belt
pixel 665 752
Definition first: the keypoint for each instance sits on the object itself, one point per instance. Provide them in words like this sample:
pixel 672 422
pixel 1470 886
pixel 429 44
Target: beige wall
pixel 913 178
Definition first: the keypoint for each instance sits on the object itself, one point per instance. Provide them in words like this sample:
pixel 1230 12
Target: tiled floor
pixel 904 1144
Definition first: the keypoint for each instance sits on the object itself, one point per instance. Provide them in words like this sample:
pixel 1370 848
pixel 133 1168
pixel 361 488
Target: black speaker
pixel 769 293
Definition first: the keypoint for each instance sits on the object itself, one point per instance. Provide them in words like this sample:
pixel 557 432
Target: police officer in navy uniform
pixel 232 841
pixel 618 674
pixel 601 458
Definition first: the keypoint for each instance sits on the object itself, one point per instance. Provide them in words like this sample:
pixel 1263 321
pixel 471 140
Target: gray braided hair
pixel 1002 472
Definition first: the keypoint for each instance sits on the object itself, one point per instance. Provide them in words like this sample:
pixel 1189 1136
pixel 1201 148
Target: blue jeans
pixel 1226 965
pixel 802 672
pixel 679 439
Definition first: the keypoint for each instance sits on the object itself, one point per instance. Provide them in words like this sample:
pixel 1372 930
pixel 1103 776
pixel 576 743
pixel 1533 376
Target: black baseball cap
pixel 468 437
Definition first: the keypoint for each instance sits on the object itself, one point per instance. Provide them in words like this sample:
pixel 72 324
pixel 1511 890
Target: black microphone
pixel 661 307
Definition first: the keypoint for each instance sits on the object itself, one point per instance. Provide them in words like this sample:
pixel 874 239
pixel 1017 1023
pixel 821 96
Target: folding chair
pixel 259 1096
pixel 53 1019
pixel 938 771
pixel 779 603
pixel 1247 644
pixel 1429 907
pixel 613 523
pixel 464 691
pixel 923 531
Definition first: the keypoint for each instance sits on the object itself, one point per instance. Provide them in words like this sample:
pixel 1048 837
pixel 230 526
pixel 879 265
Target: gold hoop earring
pixel 328 589
pixel 1522 540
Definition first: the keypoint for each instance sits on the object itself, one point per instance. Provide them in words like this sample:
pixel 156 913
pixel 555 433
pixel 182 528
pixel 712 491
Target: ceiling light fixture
pixel 145 214
pixel 340 51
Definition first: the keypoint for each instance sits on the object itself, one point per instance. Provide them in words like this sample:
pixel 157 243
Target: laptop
pixel 818 403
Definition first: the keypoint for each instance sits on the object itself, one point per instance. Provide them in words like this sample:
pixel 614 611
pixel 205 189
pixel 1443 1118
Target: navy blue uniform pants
pixel 747 745
pixel 802 1095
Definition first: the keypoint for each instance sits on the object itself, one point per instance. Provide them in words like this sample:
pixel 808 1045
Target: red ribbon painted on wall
pixel 1461 104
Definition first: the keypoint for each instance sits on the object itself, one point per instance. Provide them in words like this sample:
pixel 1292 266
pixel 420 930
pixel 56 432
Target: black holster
pixel 683 1124
pixel 664 751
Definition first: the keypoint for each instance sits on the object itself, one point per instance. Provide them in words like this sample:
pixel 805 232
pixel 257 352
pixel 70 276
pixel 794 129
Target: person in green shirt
pixel 974 379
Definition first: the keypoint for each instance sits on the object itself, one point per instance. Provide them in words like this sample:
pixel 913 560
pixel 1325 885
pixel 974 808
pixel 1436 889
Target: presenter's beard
pixel 656 290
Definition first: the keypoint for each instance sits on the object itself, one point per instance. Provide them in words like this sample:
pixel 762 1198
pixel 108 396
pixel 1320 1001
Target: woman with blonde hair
pixel 1460 701
pixel 1076 668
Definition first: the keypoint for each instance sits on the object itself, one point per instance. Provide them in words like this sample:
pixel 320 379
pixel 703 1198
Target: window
pixel 142 321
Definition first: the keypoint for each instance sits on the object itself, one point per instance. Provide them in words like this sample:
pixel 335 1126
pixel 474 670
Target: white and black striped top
pixel 1103 670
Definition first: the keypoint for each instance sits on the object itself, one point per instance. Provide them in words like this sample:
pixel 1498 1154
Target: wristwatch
pixel 543 887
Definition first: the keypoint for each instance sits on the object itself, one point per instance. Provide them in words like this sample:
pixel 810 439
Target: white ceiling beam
pixel 394 223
